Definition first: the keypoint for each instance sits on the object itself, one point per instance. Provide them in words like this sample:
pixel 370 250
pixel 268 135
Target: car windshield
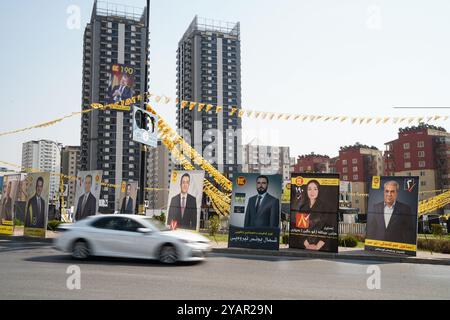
pixel 157 224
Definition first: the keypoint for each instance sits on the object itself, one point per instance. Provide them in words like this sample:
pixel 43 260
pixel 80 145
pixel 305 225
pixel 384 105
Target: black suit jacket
pixel 126 93
pixel 6 209
pixel 402 226
pixel 89 207
pixel 189 219
pixel 35 218
pixel 268 214
pixel 129 206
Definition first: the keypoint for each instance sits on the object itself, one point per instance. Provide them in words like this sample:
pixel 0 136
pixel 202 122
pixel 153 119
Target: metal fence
pixel 352 228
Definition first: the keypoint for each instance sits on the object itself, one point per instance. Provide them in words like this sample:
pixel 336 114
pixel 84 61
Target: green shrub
pixel 434 245
pixel 348 241
pixel 437 230
pixel 214 225
pixel 18 222
pixel 285 238
pixel 52 225
pixel 161 217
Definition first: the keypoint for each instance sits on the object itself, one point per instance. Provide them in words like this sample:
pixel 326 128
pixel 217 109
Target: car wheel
pixel 168 254
pixel 80 250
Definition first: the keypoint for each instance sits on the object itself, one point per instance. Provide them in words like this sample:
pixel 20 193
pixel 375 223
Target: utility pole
pixel 143 160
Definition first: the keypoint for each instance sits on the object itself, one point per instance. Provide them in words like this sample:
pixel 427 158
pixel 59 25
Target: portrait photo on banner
pixel 87 194
pixel 128 196
pixel 37 204
pixel 255 211
pixel 392 215
pixel 10 191
pixel 185 199
pixel 314 212
pixel 121 83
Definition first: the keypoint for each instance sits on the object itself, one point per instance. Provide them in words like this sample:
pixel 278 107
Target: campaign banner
pixel 87 194
pixel 185 199
pixel 145 127
pixel 36 210
pixel 255 211
pixel 314 220
pixel 7 203
pixel 392 215
pixel 128 195
pixel 121 85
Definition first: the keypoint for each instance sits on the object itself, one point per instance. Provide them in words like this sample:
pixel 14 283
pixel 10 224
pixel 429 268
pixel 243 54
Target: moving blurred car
pixel 130 236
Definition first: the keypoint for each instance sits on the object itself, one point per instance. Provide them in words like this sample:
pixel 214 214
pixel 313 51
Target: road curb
pixel 332 256
pixel 26 239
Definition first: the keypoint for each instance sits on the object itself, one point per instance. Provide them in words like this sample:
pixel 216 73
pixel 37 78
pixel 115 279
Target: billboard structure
pixel 7 203
pixel 145 127
pixel 87 194
pixel 36 209
pixel 314 212
pixel 121 83
pixel 128 196
pixel 392 215
pixel 185 199
pixel 255 211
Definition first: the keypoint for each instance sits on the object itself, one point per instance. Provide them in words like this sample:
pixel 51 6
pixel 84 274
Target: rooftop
pixel 205 24
pixel 110 9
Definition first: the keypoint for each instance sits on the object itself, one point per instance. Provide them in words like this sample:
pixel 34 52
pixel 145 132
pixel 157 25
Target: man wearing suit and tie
pixel 127 202
pixel 6 204
pixel 392 220
pixel 35 214
pixel 87 203
pixel 183 206
pixel 122 91
pixel 263 210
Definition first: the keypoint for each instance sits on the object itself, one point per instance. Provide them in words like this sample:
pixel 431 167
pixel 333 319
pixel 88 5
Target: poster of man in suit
pixel 121 83
pixel 7 202
pixel 392 215
pixel 255 215
pixel 87 194
pixel 36 210
pixel 185 199
pixel 127 199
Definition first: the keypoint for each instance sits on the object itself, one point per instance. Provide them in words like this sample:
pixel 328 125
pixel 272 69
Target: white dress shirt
pixel 388 214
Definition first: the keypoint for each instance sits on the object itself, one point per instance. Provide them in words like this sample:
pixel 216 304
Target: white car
pixel 130 236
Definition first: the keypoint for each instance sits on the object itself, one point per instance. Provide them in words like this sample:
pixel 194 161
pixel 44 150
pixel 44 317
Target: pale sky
pixel 328 57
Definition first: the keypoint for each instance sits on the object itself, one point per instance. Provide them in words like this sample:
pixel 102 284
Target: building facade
pixel 209 72
pixel 313 163
pixel 159 170
pixel 267 160
pixel 422 151
pixel 44 156
pixel 356 165
pixel 70 164
pixel 115 36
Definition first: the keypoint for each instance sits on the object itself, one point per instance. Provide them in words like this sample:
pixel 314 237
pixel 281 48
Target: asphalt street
pixel 33 270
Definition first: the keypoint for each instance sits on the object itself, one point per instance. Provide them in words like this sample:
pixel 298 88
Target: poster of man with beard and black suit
pixel 87 194
pixel 36 209
pixel 127 199
pixel 9 195
pixel 314 212
pixel 185 199
pixel 255 215
pixel 392 215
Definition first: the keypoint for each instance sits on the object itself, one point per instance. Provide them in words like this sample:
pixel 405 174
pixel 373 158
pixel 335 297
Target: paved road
pixel 31 270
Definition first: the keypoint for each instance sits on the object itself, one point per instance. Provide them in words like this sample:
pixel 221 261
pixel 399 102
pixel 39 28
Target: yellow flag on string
pixel 200 107
pixel 183 104
pixel 218 109
pixel 208 107
pixel 192 105
pixel 233 110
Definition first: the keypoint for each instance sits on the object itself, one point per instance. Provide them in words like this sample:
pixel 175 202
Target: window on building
pixel 423 183
pixel 421 164
pixel 406 155
pixel 344 170
pixel 355 177
pixel 422 173
pixel 354 161
pixel 407 165
pixel 421 154
pixel 355 168
pixel 420 144
pixel 406 146
pixel 345 177
pixel 344 162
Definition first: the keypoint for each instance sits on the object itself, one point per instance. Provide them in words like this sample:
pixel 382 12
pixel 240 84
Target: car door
pixel 112 237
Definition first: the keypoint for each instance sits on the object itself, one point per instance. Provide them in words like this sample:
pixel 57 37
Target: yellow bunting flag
pixel 192 105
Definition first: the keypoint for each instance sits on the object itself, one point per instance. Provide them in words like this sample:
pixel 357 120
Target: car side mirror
pixel 144 230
